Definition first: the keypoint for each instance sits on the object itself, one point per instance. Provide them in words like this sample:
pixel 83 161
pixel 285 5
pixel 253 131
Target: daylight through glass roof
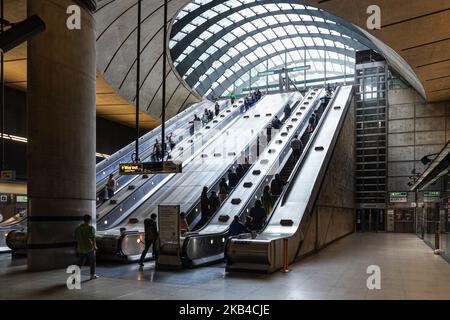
pixel 220 46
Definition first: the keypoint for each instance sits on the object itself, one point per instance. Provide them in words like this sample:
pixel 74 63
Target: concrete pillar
pixel 61 131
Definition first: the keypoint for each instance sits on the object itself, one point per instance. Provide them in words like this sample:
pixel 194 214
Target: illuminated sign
pixel 150 168
pixel 398 197
pixel 21 199
pixel 432 194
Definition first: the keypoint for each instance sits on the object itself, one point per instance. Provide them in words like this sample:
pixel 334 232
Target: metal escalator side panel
pixel 219 229
pixel 132 201
pixel 299 202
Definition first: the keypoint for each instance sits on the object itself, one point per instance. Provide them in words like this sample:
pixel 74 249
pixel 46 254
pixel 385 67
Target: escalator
pixel 13 231
pixel 143 187
pixel 206 246
pixel 291 216
pixel 123 240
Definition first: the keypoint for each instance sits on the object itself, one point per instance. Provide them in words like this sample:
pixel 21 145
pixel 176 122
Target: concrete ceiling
pixel 110 105
pixel 417 30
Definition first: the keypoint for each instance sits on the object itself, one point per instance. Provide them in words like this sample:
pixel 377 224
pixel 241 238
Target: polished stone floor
pixel 409 270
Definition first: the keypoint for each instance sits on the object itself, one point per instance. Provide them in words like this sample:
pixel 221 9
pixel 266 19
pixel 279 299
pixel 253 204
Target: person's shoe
pixel 141 263
pixel 94 277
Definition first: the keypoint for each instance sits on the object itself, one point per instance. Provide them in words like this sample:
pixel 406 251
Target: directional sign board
pixel 279 71
pixel 138 168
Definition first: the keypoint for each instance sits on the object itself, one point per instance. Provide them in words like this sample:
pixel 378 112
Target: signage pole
pixel 163 117
pixel 2 97
pixel 138 78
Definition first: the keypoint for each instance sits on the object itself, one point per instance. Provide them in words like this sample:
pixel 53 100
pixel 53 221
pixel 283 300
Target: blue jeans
pixel 90 258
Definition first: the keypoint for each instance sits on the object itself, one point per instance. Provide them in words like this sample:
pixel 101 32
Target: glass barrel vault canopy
pixel 220 46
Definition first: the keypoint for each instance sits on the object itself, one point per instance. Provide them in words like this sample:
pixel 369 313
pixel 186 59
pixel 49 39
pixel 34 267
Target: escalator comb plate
pixel 286 222
pixel 236 201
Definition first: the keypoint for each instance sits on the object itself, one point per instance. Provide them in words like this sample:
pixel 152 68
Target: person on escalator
pixel 240 171
pixel 216 109
pixel 269 133
pixel 214 203
pixel 184 226
pixel 297 148
pixel 276 123
pixel 151 235
pixel 232 179
pixel 248 223
pixel 171 141
pixel 258 94
pixel 197 123
pixel 276 186
pixel 224 190
pixel 258 215
pixel 111 186
pixel 237 227
pixel 204 206
pixel 246 104
pixel 210 115
pixel 157 151
pixel 266 200
pixel 312 122
pixel 287 111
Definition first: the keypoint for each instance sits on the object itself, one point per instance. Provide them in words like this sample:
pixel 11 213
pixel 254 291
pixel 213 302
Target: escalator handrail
pixel 230 194
pixel 311 141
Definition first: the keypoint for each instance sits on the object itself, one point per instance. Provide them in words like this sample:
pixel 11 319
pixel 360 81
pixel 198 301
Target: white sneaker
pixel 94 277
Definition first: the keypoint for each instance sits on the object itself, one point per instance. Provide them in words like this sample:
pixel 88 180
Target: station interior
pixel 225 149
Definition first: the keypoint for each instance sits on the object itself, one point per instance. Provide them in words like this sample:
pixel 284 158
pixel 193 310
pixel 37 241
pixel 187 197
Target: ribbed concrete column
pixel 61 131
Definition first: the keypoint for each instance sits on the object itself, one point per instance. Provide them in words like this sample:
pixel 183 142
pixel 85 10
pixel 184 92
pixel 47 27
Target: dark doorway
pixel 404 221
pixel 370 220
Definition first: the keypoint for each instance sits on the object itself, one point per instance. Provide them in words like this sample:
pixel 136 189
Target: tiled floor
pixel 409 270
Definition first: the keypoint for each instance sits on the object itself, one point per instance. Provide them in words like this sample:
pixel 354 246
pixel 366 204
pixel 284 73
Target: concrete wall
pixel 334 212
pixel 415 129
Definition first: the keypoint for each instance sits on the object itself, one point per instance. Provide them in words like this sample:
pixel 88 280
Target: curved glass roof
pixel 220 46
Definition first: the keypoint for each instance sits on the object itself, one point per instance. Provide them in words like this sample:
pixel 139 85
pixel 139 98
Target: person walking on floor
pixel 86 245
pixel 151 235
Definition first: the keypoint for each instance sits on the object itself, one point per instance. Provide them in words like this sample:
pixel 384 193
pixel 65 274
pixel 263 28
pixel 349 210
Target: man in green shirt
pixel 86 246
